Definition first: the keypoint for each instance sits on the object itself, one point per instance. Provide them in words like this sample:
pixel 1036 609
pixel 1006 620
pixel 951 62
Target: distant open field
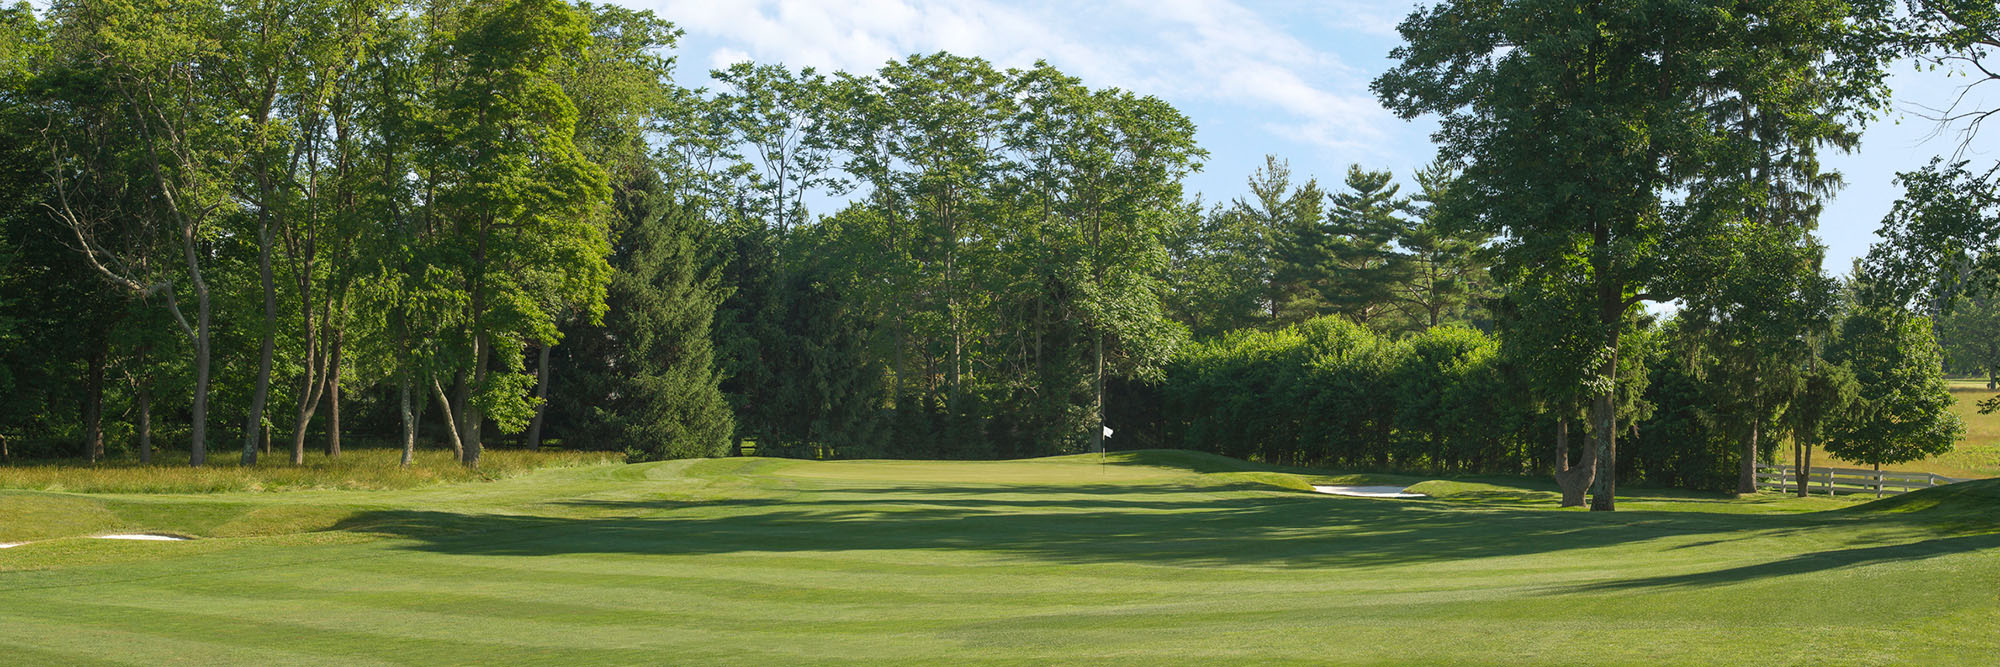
pixel 1150 557
pixel 1978 453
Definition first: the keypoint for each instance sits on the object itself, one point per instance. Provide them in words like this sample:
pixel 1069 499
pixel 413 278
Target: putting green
pixel 1153 557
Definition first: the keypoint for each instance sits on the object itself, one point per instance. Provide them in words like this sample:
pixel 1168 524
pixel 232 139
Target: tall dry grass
pixel 353 469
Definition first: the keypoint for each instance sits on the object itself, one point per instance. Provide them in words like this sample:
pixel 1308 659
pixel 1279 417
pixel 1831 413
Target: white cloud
pixel 1372 17
pixel 1184 51
pixel 724 57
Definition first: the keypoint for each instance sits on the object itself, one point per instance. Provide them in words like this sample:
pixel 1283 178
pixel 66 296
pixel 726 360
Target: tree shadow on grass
pixel 1805 563
pixel 1085 524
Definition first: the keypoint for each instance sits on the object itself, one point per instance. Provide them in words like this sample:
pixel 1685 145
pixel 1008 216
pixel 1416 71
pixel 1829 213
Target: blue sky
pixel 1283 78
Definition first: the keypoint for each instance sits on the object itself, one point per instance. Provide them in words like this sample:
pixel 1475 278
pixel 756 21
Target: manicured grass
pixel 1977 454
pixel 1153 557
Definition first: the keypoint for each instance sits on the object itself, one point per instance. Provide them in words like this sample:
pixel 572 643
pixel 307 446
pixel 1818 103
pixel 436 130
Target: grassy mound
pixel 1182 459
pixel 1964 505
pixel 34 516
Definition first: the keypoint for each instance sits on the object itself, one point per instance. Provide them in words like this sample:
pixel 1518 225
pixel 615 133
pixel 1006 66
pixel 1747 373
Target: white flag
pixel 1107 431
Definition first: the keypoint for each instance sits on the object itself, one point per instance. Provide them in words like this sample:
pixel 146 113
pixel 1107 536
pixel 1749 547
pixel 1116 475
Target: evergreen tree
pixel 1214 266
pixel 1363 268
pixel 1291 222
pixel 1441 270
pixel 645 379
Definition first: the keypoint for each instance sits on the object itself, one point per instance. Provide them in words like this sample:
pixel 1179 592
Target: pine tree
pixel 1362 267
pixel 645 380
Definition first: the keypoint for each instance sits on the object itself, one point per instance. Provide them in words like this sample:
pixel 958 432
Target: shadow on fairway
pixel 1089 524
pixel 1804 563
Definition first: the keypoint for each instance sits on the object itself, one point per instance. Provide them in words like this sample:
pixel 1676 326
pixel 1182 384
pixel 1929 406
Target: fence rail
pixel 1847 480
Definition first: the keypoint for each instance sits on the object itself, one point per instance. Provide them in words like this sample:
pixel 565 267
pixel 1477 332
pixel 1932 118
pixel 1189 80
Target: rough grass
pixel 1148 558
pixel 359 469
pixel 1977 454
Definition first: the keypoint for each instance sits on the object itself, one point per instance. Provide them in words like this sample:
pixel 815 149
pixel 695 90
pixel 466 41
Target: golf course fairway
pixel 1147 557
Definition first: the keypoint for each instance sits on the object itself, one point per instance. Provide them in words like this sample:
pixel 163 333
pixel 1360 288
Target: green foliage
pixel 1938 240
pixel 1330 392
pixel 1969 337
pixel 1290 252
pixel 1692 440
pixel 1361 263
pixel 1215 279
pixel 644 381
pixel 446 187
pixel 520 197
pixel 1441 270
pixel 1649 99
pixel 1289 240
pixel 1002 261
pixel 1904 411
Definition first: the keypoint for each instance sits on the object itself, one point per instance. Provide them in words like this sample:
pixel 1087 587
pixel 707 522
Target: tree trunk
pixel 1604 407
pixel 311 383
pixel 145 399
pixel 1604 436
pixel 308 405
pixel 409 419
pixel 1805 467
pixel 454 412
pixel 473 415
pixel 450 422
pixel 1799 468
pixel 418 404
pixel 1576 480
pixel 254 423
pixel 198 412
pixel 1746 480
pixel 541 398
pixel 333 400
pixel 93 404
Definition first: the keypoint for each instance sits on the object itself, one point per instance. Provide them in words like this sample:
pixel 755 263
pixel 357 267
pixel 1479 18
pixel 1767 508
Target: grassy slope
pixel 1977 454
pixel 1155 557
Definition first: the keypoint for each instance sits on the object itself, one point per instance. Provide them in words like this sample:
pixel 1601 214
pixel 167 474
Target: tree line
pixel 480 221
pixel 481 218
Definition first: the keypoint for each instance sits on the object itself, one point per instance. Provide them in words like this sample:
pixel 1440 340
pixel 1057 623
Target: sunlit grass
pixel 1977 454
pixel 1140 557
pixel 374 469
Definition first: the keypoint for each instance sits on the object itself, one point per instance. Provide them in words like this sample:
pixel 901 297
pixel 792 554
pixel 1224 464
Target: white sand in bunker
pixel 143 537
pixel 1369 491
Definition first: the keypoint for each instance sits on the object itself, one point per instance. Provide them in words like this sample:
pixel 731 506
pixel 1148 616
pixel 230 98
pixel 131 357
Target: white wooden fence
pixel 1847 480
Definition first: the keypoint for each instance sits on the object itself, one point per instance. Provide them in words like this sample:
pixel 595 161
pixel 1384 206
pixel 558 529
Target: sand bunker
pixel 1369 491
pixel 143 537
